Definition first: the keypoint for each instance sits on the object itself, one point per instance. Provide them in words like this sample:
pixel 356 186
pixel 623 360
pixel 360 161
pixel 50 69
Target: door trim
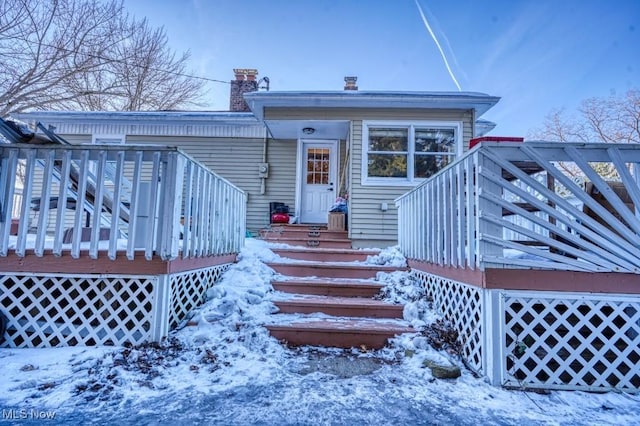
pixel 300 169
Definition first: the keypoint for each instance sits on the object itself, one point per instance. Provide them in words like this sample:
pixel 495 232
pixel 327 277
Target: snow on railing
pixel 512 205
pixel 150 199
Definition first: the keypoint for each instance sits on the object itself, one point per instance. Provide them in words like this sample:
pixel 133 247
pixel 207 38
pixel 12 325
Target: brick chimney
pixel 350 83
pixel 245 82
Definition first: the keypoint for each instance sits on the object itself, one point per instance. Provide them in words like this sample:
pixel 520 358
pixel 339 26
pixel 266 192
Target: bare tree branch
pixel 87 54
pixel 615 119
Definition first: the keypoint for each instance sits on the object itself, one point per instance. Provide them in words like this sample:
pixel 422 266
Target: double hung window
pixel 406 153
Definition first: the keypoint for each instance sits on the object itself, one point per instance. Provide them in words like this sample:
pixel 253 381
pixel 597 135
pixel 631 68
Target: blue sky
pixel 536 55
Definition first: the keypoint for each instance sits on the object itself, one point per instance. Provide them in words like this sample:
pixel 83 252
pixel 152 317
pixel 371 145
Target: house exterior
pixel 305 148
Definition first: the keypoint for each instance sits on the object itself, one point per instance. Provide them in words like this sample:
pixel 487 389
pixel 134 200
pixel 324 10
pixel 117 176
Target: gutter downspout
pixel 263 180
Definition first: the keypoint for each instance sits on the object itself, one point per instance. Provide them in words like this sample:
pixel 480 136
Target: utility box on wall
pixel 263 170
pixel 336 222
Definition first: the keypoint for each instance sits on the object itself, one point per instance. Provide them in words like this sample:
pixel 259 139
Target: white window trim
pixel 120 137
pixel 409 180
pixel 112 137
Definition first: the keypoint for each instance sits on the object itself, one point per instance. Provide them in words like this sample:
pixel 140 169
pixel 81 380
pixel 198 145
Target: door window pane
pixel 318 166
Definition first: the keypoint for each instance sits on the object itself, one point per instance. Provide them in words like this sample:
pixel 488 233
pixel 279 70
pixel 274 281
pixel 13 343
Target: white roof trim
pixel 151 123
pixel 482 127
pixel 480 102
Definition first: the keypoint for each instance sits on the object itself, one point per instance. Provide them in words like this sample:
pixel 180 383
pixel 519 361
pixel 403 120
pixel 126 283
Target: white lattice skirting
pixel 576 341
pixel 46 310
pixel 545 340
pixel 188 290
pixel 461 305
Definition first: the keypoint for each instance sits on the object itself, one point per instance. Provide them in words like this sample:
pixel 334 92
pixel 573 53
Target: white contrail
pixel 433 36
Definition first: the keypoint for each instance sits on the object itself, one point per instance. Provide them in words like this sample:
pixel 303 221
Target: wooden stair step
pixel 301 226
pixel 315 242
pixel 330 270
pixel 340 307
pixel 330 287
pixel 299 233
pixel 325 254
pixel 341 333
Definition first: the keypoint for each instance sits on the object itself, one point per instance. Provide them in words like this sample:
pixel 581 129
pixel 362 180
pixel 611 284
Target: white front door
pixel 319 173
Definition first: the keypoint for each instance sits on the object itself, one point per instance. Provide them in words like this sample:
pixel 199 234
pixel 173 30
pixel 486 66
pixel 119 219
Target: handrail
pixel 511 205
pixel 145 194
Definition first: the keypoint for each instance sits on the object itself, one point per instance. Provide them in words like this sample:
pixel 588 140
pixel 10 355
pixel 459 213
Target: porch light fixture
pixel 308 130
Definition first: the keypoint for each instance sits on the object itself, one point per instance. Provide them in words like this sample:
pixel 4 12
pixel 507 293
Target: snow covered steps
pixel 339 287
pixel 339 307
pixel 325 255
pixel 339 332
pixel 330 270
pixel 306 236
pixel 332 303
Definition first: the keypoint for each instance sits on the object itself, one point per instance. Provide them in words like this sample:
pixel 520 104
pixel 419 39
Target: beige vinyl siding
pixel 237 160
pixel 281 185
pixel 77 139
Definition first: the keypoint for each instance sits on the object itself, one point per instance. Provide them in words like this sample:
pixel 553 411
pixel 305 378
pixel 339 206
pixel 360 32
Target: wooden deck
pixel 539 274
pixel 123 259
pixel 50 263
pixel 536 279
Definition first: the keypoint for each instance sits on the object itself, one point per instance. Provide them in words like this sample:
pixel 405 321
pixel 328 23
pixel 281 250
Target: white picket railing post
pixel 44 202
pixel 485 207
pixel 8 180
pixel 27 190
pixel 151 239
pixel 132 230
pixel 78 222
pixel 492 336
pixel 96 223
pixel 161 309
pixel 114 231
pixel 171 207
pixel 460 216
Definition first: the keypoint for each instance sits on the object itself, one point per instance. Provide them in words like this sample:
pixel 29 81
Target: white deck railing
pixel 149 199
pixel 510 205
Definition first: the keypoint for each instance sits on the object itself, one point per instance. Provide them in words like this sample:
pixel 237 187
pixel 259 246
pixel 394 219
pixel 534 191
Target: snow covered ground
pixel 228 370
